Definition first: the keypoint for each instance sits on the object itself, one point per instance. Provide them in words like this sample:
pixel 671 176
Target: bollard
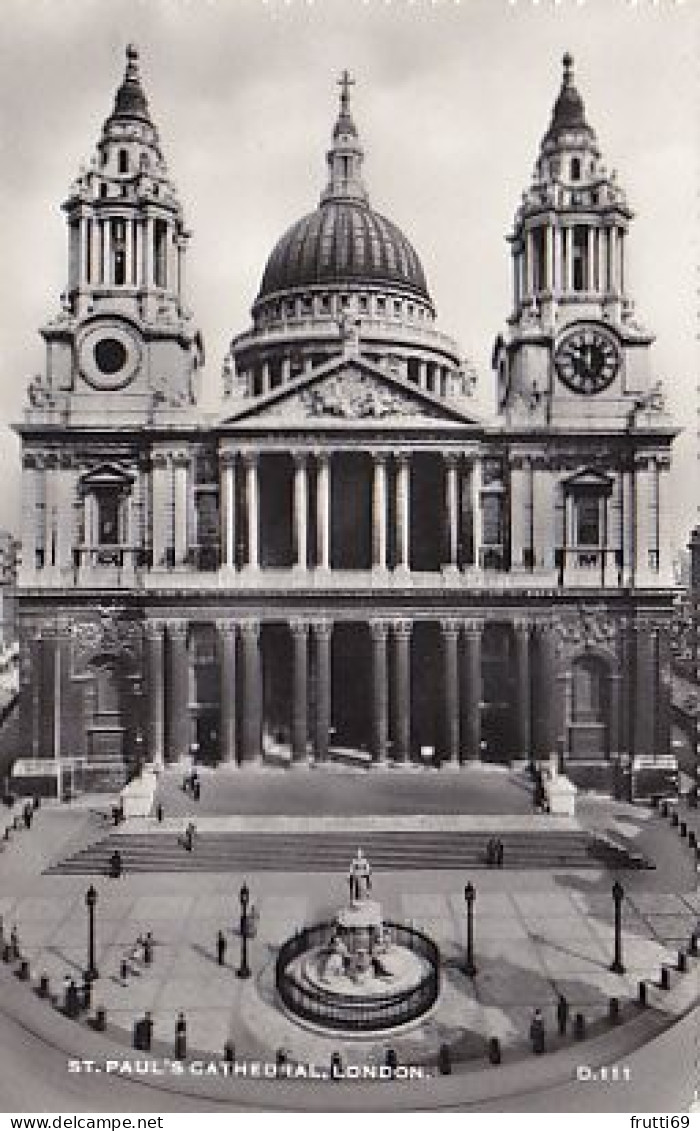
pixel 642 996
pixel 683 828
pixel 391 1060
pixel 336 1066
pixel 7 953
pixel 43 987
pixel 229 1052
pixel 100 1022
pixel 614 1011
pixel 6 835
pixel 664 808
pixel 180 1037
pixel 693 945
pixel 494 1050
pixel 579 1027
pixel 682 961
pixel 665 978
pixel 444 1060
pixel 692 839
pixel 23 971
pixel 674 819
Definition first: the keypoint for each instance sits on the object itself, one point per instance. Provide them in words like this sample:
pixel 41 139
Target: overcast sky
pixel 451 101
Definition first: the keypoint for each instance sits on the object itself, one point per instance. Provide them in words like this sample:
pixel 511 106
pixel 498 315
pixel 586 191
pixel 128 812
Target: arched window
pixel 123 161
pixel 576 168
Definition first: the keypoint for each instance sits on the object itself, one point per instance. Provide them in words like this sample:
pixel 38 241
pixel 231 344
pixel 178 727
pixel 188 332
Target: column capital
pixel 226 627
pixel 321 455
pixel 250 630
pixel 402 458
pixel 154 629
pixel 522 626
pixel 300 457
pixel 379 457
pixel 227 459
pixel 322 627
pixel 379 628
pixel 452 459
pixel 402 628
pixel 450 626
pixel 473 627
pixel 250 457
pixel 177 627
pixel 299 627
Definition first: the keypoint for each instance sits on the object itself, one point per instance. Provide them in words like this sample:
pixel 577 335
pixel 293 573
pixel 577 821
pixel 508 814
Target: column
pixel 646 689
pixel 477 517
pixel 322 631
pixel 380 691
pixel 181 465
pixel 548 692
pixel 128 253
pixel 664 690
pixel 550 258
pixel 471 690
pixel 452 509
pixel 568 234
pixel 178 685
pixel 628 518
pixel 154 664
pixel 402 691
pixel 228 510
pixel 600 232
pixel 286 369
pixel 251 736
pixel 612 260
pixel 645 538
pixel 83 277
pixel 590 267
pixel 530 260
pixel 107 252
pixel 226 636
pixel 301 504
pixel 379 516
pixel 266 382
pixel 148 253
pixel 252 509
pixel 94 252
pixel 323 512
pixel 300 699
pixel 521 629
pixel 423 374
pixel 450 645
pixel 403 511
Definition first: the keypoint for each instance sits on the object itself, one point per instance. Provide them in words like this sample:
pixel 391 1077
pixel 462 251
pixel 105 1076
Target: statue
pixel 359 877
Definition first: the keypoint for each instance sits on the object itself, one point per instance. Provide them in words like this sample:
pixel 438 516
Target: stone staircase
pixel 216 851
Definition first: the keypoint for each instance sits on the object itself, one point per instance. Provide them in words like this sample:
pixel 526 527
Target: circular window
pixel 110 355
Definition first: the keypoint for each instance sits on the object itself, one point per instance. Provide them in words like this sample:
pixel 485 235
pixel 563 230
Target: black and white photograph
pixel 349 559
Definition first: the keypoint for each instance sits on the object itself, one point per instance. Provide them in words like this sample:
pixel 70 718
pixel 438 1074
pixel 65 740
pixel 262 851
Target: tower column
pixel 403 511
pixel 252 509
pixel 300 726
pixel 379 515
pixel 154 638
pixel 178 691
pixel 590 260
pixel 548 693
pixel 522 675
pixel 226 636
pixel 450 646
pixel 550 259
pixel 301 504
pixel 402 690
pixel 323 512
pixel 380 690
pixel 181 468
pixel 568 234
pixel 452 509
pixel 322 631
pixel 471 691
pixel 228 511
pixel 251 737
pixel 477 517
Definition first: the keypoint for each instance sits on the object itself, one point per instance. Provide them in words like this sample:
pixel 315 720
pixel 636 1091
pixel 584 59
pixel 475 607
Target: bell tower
pixel 574 355
pixel 124 336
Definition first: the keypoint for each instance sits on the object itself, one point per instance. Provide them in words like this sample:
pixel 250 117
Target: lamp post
pixel 243 970
pixel 91 900
pixel 470 896
pixel 618 894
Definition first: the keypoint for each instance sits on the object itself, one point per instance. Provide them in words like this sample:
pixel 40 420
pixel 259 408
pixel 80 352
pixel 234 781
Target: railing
pixel 356 1013
pixel 589 564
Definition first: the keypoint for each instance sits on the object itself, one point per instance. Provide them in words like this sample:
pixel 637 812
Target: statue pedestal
pixel 561 796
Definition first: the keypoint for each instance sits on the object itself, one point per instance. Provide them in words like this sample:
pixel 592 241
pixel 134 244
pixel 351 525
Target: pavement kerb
pixel 470 1087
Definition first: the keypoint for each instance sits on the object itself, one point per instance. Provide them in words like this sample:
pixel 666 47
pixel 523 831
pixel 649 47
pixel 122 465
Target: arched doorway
pixel 589 708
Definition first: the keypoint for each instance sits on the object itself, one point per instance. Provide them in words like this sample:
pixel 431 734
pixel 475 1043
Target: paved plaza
pixel 537 934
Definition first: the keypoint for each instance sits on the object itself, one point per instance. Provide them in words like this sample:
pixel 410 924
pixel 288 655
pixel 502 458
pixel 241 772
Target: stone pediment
pixel 349 394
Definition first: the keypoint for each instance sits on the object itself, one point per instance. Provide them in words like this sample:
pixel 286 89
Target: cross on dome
pixel 345 82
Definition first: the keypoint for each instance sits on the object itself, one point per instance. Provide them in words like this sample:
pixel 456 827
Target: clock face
pixel 109 356
pixel 587 360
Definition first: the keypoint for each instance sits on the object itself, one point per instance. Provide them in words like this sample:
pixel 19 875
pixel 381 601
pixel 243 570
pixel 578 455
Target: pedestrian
pixel 159 813
pixel 87 992
pixel 499 853
pixel 14 941
pixel 71 1004
pixel 562 1015
pixel 490 852
pixel 185 783
pixel 27 816
pixel 180 1037
pixel 221 948
pixel 189 836
pixel 537 1032
pixel 123 969
pixel 147 945
pixel 115 864
pixel 196 788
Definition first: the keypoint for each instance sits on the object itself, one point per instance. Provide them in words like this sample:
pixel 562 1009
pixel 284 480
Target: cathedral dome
pixel 343 241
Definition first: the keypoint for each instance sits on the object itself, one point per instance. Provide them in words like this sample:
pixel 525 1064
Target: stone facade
pixel 347 563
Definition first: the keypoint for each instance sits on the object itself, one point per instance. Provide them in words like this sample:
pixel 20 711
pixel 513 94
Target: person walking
pixel 180 1037
pixel 562 1015
pixel 148 949
pixel 537 1032
pixel 221 948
